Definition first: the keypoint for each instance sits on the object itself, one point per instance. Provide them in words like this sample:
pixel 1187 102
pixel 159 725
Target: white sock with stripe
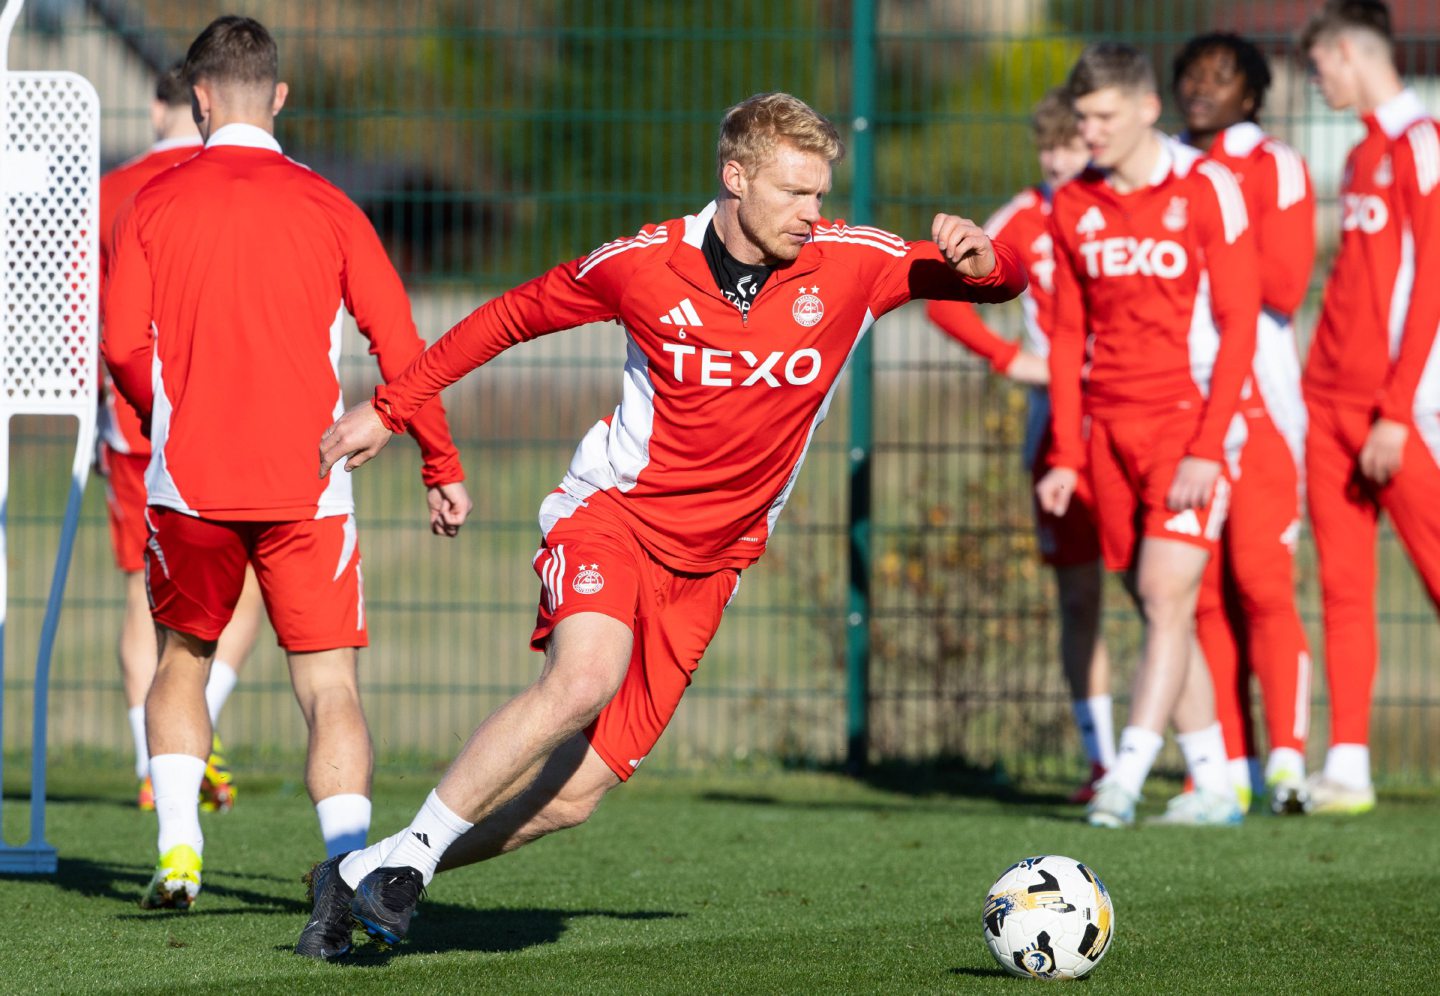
pixel 1205 759
pixel 434 829
pixel 1138 749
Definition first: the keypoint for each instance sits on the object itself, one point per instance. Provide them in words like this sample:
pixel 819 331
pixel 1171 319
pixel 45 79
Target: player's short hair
pixel 233 50
pixel 1111 64
pixel 753 128
pixel 1247 56
pixel 1052 122
pixel 171 88
pixel 1339 16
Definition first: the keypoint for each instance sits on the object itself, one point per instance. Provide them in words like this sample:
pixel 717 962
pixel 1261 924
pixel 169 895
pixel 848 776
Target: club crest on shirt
pixel 1384 173
pixel 588 580
pixel 808 309
pixel 1176 214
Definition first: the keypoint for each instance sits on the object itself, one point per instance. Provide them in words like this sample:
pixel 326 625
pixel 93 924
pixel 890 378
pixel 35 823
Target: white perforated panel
pixel 50 186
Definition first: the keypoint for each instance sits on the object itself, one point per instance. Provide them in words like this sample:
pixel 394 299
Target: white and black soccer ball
pixel 1048 918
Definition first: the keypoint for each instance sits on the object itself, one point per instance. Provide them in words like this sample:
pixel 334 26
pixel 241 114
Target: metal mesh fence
pixel 487 142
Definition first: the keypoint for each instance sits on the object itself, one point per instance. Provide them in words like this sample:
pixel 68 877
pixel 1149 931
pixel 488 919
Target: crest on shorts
pixel 808 309
pixel 1175 214
pixel 588 580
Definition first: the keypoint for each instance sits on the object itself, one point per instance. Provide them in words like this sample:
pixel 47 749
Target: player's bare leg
pixel 137 671
pixel 1165 585
pixel 339 758
pixel 178 730
pixel 217 789
pixel 1086 664
pixel 525 772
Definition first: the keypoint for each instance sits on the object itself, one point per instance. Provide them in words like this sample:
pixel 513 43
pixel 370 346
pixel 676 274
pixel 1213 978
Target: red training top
pixel 717 411
pixel 1148 279
pixel 1375 346
pixel 229 283
pixel 119 425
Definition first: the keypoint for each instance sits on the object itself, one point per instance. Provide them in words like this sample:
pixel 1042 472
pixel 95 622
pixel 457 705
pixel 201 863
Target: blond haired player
pixel 739 321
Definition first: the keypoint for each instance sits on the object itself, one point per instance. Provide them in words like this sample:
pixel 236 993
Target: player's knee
pixel 578 693
pixel 572 809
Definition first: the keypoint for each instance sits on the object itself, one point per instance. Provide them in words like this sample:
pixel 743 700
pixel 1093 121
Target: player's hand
pixel 450 505
pixel 1193 484
pixel 1056 489
pixel 358 435
pixel 964 245
pixel 1027 368
pixel 1384 450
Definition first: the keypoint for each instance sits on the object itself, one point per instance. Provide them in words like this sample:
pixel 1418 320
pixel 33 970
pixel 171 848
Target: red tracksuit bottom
pixel 1246 619
pixel 1344 511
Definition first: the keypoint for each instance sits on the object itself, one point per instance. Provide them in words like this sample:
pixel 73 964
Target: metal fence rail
pixel 489 141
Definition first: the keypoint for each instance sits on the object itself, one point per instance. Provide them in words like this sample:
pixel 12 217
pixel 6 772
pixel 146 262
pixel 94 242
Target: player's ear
pixel 732 175
pixel 1150 107
pixel 200 104
pixel 282 90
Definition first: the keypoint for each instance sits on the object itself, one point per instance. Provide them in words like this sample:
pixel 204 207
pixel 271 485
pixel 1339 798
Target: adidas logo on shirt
pixel 683 313
pixel 1091 221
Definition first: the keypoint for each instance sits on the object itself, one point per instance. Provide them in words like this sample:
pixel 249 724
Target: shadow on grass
pixel 945 777
pixel 441 927
pixel 124 882
pixel 980 973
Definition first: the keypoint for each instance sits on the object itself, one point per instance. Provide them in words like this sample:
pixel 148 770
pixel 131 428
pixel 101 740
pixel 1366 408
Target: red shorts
pixel 590 561
pixel 1071 539
pixel 309 574
pixel 1132 465
pixel 125 501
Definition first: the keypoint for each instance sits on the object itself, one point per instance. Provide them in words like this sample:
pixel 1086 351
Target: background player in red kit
pixel 740 320
pixel 1247 618
pixel 1068 543
pixel 231 276
pixel 1372 377
pixel 1139 237
pixel 124 456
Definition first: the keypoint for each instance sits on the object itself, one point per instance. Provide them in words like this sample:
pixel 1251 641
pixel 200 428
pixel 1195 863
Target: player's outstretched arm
pixel 355 438
pixel 450 506
pixel 964 245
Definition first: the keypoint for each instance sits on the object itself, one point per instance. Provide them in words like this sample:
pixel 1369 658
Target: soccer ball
pixel 1048 918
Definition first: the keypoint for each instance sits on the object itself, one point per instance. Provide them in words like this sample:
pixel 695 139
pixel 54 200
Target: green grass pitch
pixel 734 883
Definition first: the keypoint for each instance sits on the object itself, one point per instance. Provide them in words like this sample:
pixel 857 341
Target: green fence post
pixel 857 609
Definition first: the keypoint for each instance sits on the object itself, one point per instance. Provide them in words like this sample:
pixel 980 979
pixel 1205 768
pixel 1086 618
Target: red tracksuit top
pixel 1023 224
pixel 119 425
pixel 229 283
pixel 1147 280
pixel 716 412
pixel 1375 347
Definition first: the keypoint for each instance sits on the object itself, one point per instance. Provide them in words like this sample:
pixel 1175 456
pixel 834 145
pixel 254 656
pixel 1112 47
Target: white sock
pixel 344 822
pixel 1239 771
pixel 1348 765
pixel 1096 723
pixel 1136 756
pixel 357 864
pixel 1204 752
pixel 218 688
pixel 434 829
pixel 176 778
pixel 142 750
pixel 1286 761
